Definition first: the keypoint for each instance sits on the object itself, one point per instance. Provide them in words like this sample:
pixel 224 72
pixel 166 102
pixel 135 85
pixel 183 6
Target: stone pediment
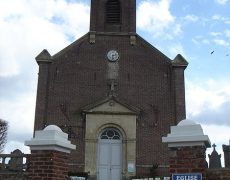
pixel 110 105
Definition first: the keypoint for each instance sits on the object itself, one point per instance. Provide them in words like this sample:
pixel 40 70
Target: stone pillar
pixel 187 145
pixel 49 157
pixel 226 149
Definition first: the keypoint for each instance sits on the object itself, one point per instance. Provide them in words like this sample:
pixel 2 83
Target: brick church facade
pixel 114 94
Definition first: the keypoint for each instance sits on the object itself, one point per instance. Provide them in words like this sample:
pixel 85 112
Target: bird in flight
pixel 212 52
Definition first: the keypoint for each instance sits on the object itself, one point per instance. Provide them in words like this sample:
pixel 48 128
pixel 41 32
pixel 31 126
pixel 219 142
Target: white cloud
pixel 219 135
pixel 205 41
pixel 222 131
pixel 215 34
pixel 218 17
pixel 191 18
pixel 29 26
pixel 221 42
pixel 221 18
pixel 219 38
pixel 8 66
pixel 176 29
pixel 227 33
pixel 19 113
pixel 12 145
pixel 155 17
pixel 208 102
pixel 199 40
pixel 177 49
pixel 222 2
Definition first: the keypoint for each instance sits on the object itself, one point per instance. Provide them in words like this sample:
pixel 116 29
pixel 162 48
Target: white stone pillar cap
pixel 186 133
pixel 51 138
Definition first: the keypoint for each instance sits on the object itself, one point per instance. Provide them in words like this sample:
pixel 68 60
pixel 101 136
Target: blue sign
pixel 190 176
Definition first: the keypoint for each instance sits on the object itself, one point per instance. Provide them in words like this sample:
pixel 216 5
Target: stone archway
pixel 110 114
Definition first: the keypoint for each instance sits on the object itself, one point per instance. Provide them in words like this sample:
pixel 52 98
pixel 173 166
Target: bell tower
pixel 113 16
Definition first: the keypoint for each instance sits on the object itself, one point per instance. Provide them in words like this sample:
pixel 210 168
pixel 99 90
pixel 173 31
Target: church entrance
pixel 110 140
pixel 109 155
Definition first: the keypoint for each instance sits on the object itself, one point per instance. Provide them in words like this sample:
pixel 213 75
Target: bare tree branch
pixel 3 134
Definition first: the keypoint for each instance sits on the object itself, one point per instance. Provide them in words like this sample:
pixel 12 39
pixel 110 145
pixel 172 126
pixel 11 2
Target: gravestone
pixel 16 161
pixel 214 159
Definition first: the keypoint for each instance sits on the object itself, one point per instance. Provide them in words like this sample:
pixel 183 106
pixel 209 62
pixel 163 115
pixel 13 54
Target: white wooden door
pixel 115 163
pixel 109 159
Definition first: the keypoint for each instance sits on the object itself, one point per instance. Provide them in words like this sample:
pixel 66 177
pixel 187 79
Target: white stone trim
pixel 186 134
pixel 51 138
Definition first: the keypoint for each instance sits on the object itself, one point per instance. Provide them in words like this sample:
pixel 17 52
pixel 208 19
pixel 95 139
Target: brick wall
pixel 188 160
pixel 13 175
pixel 48 165
pixel 128 17
pixel 218 174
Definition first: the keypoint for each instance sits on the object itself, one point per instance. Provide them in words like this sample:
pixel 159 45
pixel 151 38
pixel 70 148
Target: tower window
pixel 113 14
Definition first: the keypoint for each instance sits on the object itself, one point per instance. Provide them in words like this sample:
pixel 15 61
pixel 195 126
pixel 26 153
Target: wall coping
pixel 186 133
pixel 51 138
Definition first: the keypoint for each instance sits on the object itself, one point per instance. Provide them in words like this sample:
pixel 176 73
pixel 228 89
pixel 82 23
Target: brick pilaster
pixel 188 160
pixel 50 149
pixel 48 165
pixel 187 146
pixel 179 64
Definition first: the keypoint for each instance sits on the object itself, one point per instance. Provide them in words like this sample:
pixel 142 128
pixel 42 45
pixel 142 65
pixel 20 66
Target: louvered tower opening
pixel 113 12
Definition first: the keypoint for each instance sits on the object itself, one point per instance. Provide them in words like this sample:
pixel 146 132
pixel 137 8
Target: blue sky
pixel 193 28
pixel 203 28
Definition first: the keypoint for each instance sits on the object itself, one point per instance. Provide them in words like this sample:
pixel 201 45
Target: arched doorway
pixel 109 161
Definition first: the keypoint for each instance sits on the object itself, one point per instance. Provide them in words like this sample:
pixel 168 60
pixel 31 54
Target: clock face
pixel 112 55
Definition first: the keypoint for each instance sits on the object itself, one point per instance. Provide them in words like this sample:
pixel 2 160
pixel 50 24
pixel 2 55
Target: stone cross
pixel 214 146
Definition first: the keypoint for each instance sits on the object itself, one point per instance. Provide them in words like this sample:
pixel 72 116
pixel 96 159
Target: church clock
pixel 113 55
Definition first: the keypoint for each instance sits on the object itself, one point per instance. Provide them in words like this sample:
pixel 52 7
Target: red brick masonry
pixel 48 165
pixel 218 174
pixel 188 160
